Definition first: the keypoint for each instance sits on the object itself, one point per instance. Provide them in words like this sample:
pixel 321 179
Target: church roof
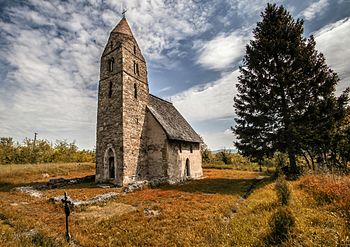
pixel 173 123
pixel 123 27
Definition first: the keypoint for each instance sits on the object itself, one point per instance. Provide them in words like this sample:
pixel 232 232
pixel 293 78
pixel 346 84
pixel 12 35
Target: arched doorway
pixel 187 168
pixel 110 163
pixel 111 167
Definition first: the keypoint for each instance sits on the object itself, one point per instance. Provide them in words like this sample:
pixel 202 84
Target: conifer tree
pixel 283 84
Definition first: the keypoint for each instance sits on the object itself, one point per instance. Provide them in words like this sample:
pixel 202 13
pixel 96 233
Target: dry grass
pixel 315 224
pixel 207 212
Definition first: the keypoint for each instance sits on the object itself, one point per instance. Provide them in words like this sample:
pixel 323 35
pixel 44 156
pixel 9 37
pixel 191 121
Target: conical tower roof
pixel 123 27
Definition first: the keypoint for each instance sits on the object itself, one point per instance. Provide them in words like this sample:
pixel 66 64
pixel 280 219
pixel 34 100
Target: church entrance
pixel 111 167
pixel 187 168
pixel 110 164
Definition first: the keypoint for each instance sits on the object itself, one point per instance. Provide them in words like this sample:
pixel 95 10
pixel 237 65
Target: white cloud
pixel 333 41
pixel 213 101
pixel 53 50
pixel 159 24
pixel 222 51
pixel 252 8
pixel 314 9
pixel 219 139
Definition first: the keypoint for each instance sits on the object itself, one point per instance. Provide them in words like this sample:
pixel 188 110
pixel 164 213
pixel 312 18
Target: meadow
pixel 228 207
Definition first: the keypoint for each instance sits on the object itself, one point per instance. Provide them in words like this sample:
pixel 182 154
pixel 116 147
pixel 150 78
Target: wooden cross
pixel 67 212
pixel 123 13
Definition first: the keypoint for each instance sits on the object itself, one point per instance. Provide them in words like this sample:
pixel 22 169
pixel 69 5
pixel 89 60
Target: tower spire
pixel 123 27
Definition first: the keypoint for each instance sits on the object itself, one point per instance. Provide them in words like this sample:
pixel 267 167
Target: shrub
pixel 283 191
pixel 281 225
pixel 39 239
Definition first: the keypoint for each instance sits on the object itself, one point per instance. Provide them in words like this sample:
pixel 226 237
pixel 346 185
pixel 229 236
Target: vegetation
pixel 283 191
pixel 207 212
pixel 286 97
pixel 281 225
pixel 42 151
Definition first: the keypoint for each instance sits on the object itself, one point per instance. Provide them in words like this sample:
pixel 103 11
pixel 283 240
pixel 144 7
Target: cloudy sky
pixel 50 50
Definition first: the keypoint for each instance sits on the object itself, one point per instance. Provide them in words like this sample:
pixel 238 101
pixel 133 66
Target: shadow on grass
pixel 223 186
pixel 7 187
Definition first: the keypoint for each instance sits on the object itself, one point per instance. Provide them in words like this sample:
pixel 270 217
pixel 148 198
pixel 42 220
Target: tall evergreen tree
pixel 284 81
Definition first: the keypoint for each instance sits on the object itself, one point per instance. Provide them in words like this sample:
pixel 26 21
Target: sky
pixel 50 53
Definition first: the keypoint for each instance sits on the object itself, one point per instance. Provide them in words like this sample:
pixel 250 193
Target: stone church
pixel 139 136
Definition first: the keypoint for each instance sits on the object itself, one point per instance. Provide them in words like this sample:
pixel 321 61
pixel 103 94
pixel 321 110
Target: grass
pixel 207 212
pixel 254 167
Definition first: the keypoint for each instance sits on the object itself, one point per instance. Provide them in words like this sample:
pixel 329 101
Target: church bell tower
pixel 122 99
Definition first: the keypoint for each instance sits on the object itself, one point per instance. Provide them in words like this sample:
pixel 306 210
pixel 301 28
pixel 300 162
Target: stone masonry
pixel 135 137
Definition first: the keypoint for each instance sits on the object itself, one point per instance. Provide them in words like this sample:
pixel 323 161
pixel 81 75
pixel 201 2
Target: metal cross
pixel 123 13
pixel 67 212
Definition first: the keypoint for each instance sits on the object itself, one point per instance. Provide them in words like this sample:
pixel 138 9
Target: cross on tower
pixel 123 13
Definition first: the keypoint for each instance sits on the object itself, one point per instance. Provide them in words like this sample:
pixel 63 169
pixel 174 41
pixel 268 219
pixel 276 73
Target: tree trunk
pixel 312 160
pixel 292 162
pixel 307 160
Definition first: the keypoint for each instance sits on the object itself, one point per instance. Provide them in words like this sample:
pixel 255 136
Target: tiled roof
pixel 173 123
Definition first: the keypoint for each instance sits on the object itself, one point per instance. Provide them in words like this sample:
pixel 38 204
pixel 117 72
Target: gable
pixel 173 123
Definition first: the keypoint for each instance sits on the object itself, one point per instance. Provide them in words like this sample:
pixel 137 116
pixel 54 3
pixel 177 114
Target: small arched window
pixel 134 67
pixel 191 149
pixel 111 64
pixel 110 89
pixel 134 49
pixel 135 91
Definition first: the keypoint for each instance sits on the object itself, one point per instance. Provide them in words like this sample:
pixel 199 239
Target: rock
pixel 61 182
pixel 58 199
pixel 137 185
pixel 104 186
pixel 157 182
pixel 29 190
pixel 96 199
pixel 151 212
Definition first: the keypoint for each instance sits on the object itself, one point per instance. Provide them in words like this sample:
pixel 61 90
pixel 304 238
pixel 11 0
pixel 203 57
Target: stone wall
pixel 109 117
pixel 156 149
pixel 126 132
pixel 178 153
pixel 121 111
pixel 135 99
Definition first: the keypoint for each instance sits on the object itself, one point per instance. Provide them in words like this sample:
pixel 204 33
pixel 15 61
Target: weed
pixel 283 191
pixel 39 239
pixel 281 225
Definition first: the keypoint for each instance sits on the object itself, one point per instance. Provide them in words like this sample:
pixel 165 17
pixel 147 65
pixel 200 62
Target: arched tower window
pixel 110 89
pixel 191 149
pixel 137 69
pixel 134 49
pixel 111 64
pixel 135 91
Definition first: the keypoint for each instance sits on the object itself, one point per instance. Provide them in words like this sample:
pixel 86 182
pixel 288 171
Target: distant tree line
pixel 286 99
pixel 222 157
pixel 42 151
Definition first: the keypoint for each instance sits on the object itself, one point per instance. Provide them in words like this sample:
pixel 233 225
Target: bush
pixel 283 191
pixel 281 225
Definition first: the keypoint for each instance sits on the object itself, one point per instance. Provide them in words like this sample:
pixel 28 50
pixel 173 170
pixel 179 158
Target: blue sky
pixel 50 51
